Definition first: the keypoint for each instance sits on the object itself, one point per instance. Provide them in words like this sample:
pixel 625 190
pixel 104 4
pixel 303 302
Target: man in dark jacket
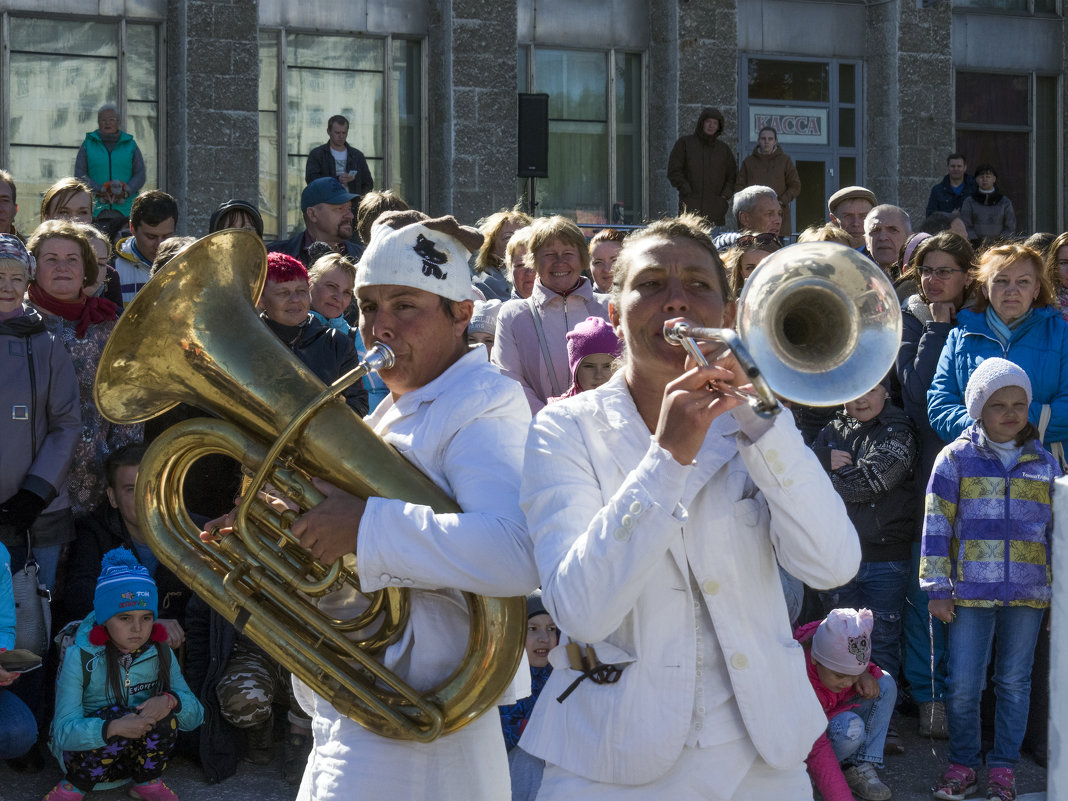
pixel 948 195
pixel 113 524
pixel 327 210
pixel 338 159
pixel 703 169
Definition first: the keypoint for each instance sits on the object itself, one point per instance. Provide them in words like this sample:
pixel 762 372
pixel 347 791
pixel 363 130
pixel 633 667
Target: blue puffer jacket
pixel 82 688
pixel 1039 345
pixel 986 537
pixel 7 601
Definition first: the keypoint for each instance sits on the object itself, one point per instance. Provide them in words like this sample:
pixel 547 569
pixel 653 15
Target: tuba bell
pixel 192 335
pixel 817 324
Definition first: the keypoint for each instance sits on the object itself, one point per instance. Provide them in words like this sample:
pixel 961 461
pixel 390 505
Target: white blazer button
pixel 622 535
pixel 385 577
pixel 710 587
pixel 408 582
pixel 635 507
pixel 739 661
pixel 628 521
pixel 773 454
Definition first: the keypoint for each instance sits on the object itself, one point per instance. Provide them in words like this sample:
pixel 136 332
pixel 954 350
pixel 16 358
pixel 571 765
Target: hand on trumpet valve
pixel 692 401
pixel 328 530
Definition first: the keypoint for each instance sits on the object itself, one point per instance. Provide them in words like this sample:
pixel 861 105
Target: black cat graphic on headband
pixel 432 257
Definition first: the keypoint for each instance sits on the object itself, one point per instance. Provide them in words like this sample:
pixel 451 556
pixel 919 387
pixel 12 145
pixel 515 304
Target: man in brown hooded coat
pixel 703 169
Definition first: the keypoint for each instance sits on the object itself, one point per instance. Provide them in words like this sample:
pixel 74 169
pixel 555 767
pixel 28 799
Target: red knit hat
pixel 282 268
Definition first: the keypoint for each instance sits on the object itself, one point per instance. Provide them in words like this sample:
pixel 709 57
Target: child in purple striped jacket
pixel 985 566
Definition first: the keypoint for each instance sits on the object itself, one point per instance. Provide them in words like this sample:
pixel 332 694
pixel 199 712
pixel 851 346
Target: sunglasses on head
pixel 768 242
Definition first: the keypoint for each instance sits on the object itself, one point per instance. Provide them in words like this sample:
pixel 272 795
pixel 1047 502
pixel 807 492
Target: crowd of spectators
pixel 548 311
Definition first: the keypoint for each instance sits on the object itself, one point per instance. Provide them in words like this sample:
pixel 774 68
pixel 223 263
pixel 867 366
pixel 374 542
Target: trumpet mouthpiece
pixel 380 357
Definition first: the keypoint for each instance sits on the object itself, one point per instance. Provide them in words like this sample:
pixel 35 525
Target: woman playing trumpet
pixel 658 507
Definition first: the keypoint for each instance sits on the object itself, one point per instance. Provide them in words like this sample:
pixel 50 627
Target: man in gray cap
pixel 848 207
pixel 327 209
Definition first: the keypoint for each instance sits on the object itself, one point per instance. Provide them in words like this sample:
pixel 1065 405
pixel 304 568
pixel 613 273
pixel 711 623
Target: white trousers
pixel 698 775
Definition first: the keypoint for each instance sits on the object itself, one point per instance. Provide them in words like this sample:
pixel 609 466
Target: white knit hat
pixel 990 376
pixel 842 642
pixel 484 318
pixel 407 248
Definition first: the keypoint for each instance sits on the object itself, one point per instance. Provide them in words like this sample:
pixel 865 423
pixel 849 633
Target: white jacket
pixel 618 525
pixel 465 430
pixel 517 349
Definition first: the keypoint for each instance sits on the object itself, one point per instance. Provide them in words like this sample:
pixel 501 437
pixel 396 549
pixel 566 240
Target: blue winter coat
pixel 75 729
pixel 1039 345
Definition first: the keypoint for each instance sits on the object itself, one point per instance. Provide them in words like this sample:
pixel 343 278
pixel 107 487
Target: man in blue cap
pixel 327 209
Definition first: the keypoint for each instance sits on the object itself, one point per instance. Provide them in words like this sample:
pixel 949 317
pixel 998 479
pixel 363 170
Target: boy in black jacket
pixel 870 450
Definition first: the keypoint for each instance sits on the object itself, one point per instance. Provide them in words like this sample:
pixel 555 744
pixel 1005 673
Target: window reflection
pixel 61 72
pixel 788 80
pixel 327 75
pixel 593 176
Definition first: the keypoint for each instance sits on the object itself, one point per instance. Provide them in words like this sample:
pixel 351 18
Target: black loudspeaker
pixel 533 136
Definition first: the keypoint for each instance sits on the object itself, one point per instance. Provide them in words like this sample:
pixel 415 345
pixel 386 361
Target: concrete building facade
pixel 226 97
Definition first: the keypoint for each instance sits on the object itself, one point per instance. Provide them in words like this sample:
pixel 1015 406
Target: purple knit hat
pixel 592 335
pixel 842 642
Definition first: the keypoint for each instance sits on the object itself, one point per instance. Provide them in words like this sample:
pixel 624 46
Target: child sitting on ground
pixel 593 352
pixel 843 760
pixel 120 697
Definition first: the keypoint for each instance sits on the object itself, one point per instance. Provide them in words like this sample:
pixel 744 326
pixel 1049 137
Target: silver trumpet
pixel 817 324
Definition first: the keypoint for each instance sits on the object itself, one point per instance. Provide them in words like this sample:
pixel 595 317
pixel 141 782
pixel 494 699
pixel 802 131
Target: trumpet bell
pixel 822 321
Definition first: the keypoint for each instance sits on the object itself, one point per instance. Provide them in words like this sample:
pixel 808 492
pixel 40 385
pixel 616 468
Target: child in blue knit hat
pixel 121 669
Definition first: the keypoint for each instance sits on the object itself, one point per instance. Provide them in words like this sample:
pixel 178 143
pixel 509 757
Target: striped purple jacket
pixel 987 529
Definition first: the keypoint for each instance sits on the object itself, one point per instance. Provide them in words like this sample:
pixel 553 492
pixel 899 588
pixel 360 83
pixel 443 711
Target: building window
pixel 815 107
pixel 1010 121
pixel 596 132
pixel 60 72
pixel 375 82
pixel 1011 6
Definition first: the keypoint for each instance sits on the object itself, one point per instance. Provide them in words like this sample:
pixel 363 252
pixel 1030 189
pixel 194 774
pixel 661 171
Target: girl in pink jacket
pixel 858 698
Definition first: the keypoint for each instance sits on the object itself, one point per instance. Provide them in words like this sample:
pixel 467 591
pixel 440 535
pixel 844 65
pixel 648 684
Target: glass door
pixel 810 207
pixel 815 107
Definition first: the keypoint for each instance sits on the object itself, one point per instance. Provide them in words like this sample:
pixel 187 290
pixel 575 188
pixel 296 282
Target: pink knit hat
pixel 842 642
pixel 592 335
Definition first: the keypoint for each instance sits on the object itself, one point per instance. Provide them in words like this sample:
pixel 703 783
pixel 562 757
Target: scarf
pixel 86 311
pixel 340 323
pixel 1001 329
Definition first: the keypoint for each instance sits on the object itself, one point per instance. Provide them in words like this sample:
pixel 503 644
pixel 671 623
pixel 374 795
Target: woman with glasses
pixel 943 269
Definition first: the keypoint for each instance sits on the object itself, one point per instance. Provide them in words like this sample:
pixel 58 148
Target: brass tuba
pixel 817 323
pixel 192 335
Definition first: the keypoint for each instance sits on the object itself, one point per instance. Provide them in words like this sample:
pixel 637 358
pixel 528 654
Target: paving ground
pixel 908 775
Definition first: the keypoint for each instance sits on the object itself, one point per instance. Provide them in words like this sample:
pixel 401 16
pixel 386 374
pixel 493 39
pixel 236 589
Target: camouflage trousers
pixel 252 684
